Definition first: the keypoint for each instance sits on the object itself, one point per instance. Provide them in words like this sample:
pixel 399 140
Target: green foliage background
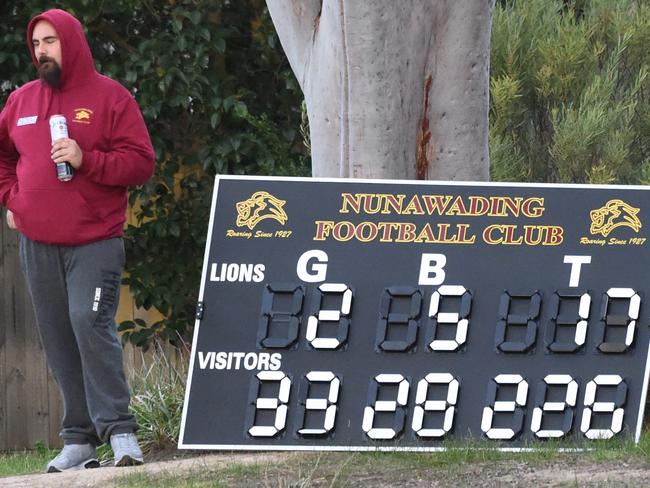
pixel 218 96
pixel 569 92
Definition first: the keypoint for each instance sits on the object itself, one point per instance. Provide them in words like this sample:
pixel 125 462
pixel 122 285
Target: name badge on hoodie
pixel 26 120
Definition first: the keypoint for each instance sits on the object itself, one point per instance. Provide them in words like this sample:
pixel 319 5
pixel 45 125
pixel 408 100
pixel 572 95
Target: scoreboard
pixel 397 315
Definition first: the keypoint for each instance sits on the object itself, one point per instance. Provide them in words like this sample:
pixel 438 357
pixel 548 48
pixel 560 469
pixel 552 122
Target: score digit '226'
pixel 395 315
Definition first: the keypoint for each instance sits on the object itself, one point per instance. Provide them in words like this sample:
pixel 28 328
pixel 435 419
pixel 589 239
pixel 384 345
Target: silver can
pixel 59 130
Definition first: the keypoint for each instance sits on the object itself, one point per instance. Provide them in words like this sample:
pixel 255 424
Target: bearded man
pixel 71 246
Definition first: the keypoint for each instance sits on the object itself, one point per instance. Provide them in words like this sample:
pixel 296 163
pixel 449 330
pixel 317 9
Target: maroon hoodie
pixel 103 118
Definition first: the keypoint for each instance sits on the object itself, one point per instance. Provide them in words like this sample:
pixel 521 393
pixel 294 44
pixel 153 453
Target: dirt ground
pixel 106 476
pixel 283 466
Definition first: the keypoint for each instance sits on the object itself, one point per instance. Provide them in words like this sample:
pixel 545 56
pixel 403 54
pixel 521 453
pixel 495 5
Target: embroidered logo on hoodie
pixel 82 115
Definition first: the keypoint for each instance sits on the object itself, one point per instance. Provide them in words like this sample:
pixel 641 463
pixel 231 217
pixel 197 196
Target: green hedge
pixel 570 91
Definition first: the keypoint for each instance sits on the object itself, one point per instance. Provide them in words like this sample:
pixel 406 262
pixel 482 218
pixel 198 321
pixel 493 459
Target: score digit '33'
pixel 357 315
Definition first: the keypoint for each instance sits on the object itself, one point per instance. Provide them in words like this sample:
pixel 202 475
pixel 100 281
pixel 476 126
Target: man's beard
pixel 49 71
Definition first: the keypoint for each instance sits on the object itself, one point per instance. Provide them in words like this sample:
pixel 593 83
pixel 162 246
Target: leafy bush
pixel 569 91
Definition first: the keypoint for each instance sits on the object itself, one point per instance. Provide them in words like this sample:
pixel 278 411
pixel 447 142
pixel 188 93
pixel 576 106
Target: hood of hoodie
pixel 76 59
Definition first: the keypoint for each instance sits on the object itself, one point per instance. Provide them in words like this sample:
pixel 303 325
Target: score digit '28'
pixel 312 268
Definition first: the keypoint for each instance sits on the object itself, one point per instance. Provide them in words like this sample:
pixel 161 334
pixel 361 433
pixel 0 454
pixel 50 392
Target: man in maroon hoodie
pixel 71 246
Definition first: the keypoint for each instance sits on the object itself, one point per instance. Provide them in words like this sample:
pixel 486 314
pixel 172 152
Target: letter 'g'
pixel 317 271
pixel 432 263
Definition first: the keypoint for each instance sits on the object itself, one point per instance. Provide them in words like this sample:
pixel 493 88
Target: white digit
pixel 569 400
pixel 448 318
pixel 505 406
pixel 632 311
pixel 330 316
pixel 581 323
pixel 278 404
pixel 615 408
pixel 328 405
pixel 422 405
pixel 583 313
pixel 386 406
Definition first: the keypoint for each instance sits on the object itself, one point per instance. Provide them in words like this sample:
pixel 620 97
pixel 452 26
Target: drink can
pixel 59 130
pixel 58 127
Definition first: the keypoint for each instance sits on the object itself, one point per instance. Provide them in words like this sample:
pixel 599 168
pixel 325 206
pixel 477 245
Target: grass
pixel 158 391
pixel 301 470
pixel 24 462
pixel 394 468
pixel 341 469
pixel 200 478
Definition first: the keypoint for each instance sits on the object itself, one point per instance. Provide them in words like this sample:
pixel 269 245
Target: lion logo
pixel 615 213
pixel 261 205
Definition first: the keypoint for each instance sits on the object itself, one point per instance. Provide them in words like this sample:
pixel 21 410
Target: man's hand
pixel 10 219
pixel 67 150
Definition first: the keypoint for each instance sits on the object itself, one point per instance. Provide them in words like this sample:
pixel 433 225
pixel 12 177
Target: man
pixel 71 248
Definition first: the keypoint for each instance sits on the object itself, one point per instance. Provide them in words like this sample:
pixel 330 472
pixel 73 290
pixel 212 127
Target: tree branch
pixel 296 22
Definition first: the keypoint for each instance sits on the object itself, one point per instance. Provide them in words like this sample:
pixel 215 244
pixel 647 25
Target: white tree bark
pixel 393 88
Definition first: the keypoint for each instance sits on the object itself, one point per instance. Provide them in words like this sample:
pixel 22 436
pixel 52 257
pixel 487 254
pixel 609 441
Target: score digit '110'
pixel 424 315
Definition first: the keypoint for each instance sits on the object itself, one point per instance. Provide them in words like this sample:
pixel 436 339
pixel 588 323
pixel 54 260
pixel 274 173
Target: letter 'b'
pixel 432 263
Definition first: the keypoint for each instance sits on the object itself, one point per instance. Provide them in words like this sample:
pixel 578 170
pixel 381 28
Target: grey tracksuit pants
pixel 75 292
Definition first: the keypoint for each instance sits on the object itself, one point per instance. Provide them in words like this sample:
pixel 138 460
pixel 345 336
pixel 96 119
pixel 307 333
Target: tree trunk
pixel 394 89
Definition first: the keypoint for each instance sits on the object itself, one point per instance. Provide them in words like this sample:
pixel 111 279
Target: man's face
pixel 47 49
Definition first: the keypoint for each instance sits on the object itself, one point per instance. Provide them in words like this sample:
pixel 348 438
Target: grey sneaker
pixel 73 457
pixel 126 449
